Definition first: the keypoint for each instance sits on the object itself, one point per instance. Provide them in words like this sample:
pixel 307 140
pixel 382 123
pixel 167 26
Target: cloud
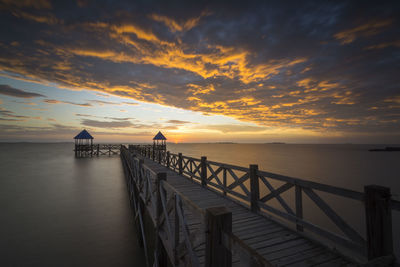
pixel 364 30
pixel 245 61
pixel 178 122
pixel 233 128
pixel 53 101
pixel 37 4
pixel 174 25
pixel 106 124
pixel 8 113
pixel 14 92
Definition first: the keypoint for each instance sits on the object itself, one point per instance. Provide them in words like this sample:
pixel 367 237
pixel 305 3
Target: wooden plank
pixel 278 197
pixel 321 187
pixel 313 228
pixel 266 231
pixel 299 256
pixel 272 241
pixel 339 222
pixel 277 192
pixel 337 262
pixel 318 259
pixel 249 225
pixel 268 249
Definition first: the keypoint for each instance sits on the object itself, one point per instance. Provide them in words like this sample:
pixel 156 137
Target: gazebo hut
pixel 83 143
pixel 160 142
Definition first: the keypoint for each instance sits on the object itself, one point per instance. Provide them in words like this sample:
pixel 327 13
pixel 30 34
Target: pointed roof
pixel 159 136
pixel 84 135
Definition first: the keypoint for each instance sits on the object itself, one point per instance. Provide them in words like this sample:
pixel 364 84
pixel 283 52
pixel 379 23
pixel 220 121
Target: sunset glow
pixel 311 73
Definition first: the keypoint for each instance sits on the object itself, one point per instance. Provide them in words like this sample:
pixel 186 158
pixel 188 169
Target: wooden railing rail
pixel 173 212
pixel 245 185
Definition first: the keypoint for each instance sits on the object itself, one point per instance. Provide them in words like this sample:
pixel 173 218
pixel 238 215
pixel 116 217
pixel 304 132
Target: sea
pixel 58 210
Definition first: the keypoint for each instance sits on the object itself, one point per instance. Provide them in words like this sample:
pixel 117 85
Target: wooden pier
pixel 206 213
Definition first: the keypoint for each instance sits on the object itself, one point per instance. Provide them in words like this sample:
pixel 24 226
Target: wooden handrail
pixel 208 173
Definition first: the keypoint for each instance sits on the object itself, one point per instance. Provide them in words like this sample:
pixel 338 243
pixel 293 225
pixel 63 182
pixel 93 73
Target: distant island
pixel 388 148
pixel 276 143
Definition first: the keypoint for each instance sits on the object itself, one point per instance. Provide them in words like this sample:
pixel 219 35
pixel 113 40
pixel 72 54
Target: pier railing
pixel 245 184
pixel 182 226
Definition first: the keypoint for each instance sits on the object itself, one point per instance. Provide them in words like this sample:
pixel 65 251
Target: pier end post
pixel 180 163
pixel 379 221
pixel 254 188
pixel 159 156
pixel 219 228
pixel 203 171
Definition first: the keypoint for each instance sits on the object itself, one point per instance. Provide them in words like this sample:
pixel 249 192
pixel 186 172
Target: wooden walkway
pixel 275 243
pixel 207 213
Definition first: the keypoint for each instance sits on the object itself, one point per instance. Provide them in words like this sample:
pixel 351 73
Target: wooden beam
pixel 379 221
pixel 203 171
pixel 219 225
pixel 180 163
pixel 254 188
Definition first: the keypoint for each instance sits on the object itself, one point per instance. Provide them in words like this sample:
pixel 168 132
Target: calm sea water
pixel 57 210
pixel 60 211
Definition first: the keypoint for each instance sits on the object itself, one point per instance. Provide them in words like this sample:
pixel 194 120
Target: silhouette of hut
pixel 159 142
pixel 83 143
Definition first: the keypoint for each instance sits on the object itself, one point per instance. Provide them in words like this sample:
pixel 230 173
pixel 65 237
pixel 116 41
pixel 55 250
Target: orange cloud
pixel 365 30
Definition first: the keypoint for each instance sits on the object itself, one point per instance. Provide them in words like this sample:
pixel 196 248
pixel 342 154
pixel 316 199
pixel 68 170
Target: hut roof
pixel 159 136
pixel 84 135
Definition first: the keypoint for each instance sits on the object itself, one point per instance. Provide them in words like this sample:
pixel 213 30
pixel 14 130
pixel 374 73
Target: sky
pixel 220 71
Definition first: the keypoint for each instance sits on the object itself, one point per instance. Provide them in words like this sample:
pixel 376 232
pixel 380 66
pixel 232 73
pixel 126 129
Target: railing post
pixel 98 149
pixel 299 207
pixel 224 180
pixel 153 155
pixel 203 171
pixel 180 163
pixel 161 258
pixel 159 156
pixel 219 229
pixel 167 159
pixel 178 205
pixel 254 188
pixel 379 221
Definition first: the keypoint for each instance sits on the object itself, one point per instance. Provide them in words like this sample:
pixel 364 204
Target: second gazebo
pixel 160 142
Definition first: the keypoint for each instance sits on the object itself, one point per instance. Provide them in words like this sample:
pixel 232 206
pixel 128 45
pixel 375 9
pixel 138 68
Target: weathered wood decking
pixel 201 219
pixel 275 243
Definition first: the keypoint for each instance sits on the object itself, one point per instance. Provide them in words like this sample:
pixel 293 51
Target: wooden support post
pixel 167 159
pixel 160 256
pixel 159 156
pixel 379 221
pixel 203 171
pixel 98 149
pixel 224 180
pixel 299 207
pixel 180 163
pixel 219 228
pixel 153 155
pixel 254 188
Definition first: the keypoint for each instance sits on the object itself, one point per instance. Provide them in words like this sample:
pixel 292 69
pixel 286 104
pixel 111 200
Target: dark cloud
pixel 325 66
pixel 9 113
pixel 53 101
pixel 106 124
pixel 11 91
pixel 233 128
